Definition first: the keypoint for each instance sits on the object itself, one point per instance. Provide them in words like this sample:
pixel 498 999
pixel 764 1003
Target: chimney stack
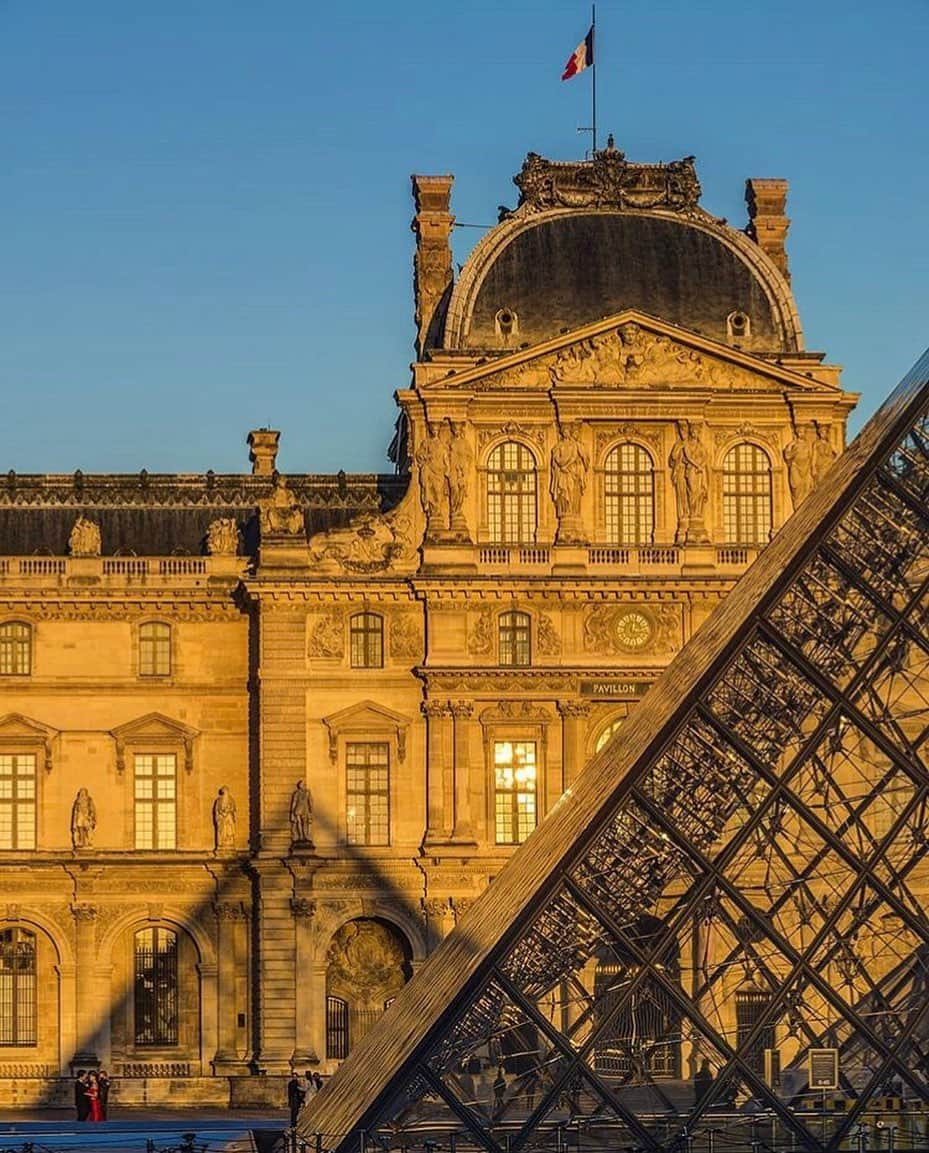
pixel 262 445
pixel 767 218
pixel 433 262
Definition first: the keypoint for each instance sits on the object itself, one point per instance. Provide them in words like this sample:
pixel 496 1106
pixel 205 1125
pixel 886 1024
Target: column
pixel 462 711
pixel 438 920
pixel 227 914
pixel 87 992
pixel 304 1053
pixel 437 715
pixel 574 716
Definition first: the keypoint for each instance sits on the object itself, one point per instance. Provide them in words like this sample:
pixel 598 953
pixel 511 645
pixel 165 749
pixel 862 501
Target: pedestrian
pixel 317 1082
pixel 295 1095
pixel 95 1113
pixel 311 1088
pixel 103 1084
pixel 499 1092
pixel 703 1081
pixel 81 1100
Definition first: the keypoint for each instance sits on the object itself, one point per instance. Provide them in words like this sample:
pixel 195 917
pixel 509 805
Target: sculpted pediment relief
pixel 634 352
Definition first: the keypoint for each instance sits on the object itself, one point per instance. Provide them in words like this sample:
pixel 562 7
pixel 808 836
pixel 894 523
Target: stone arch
pixel 43 1040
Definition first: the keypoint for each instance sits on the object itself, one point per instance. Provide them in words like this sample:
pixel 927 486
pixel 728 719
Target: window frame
pixel 14 646
pixel 155 756
pixel 617 496
pixel 15 803
pixel 514 815
pixel 514 639
pixel 154 646
pixel 503 528
pixel 159 1041
pixel 745 503
pixel 367 793
pixel 370 640
pixel 21 1036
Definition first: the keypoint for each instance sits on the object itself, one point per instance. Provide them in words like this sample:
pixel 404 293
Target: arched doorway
pixel 367 963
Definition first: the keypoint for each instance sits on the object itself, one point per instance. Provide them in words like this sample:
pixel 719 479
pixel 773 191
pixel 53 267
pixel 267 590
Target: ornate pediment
pixel 154 731
pixel 366 719
pixel 634 352
pixel 17 731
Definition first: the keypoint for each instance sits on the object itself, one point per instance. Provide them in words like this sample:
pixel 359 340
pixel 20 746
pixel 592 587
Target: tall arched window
pixel 15 649
pixel 746 495
pixel 366 632
pixel 629 495
pixel 156 1000
pixel 514 631
pixel 154 649
pixel 17 987
pixel 511 494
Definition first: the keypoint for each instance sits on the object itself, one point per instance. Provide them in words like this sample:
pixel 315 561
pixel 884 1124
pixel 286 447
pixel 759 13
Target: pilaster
pixel 574 716
pixel 86 989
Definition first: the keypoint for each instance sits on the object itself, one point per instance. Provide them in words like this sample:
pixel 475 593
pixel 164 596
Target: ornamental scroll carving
pixel 607 181
pixel 621 630
pixel 536 433
pixel 481 636
pixel 327 638
pixel 280 513
pixel 374 542
pixel 406 639
pixel 548 642
pixel 84 539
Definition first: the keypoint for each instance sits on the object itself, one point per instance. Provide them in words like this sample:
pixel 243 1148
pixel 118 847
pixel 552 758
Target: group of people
pixel 91 1094
pixel 299 1090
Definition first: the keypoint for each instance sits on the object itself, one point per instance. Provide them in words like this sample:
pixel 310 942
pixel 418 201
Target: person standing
pixel 95 1112
pixel 703 1081
pixel 81 1100
pixel 295 1096
pixel 103 1085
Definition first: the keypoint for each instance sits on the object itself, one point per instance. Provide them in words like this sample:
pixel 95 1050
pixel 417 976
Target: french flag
pixel 582 57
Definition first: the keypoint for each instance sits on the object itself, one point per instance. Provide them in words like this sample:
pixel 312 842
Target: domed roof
pixel 590 240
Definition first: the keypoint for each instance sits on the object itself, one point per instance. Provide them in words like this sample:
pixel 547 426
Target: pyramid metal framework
pixel 722 925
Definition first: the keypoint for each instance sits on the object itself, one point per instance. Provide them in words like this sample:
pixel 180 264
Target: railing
pixel 125 566
pixel 42 566
pixel 112 566
pixel 183 566
pixel 18 1069
pixel 152 1069
pixel 736 554
pixel 645 555
pixel 521 554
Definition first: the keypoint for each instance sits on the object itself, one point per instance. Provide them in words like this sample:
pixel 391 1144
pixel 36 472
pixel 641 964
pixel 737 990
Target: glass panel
pixel 628 489
pixel 515 781
pixel 367 792
pixel 511 494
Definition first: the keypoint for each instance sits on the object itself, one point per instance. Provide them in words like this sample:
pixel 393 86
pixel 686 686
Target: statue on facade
pixel 798 456
pixel 281 514
pixel 569 465
pixel 301 815
pixel 224 819
pixel 432 457
pixel 823 452
pixel 460 466
pixel 83 820
pixel 84 539
pixel 222 537
pixel 688 463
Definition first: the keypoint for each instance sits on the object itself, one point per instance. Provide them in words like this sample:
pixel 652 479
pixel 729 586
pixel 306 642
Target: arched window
pixel 154 649
pixel 156 1000
pixel 15 649
pixel 746 495
pixel 17 987
pixel 629 495
pixel 611 728
pixel 511 494
pixel 367 641
pixel 513 636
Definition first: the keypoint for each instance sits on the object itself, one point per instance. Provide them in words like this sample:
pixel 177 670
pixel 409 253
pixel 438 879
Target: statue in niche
pixel 460 464
pixel 301 815
pixel 281 514
pixel 688 464
pixel 823 452
pixel 569 465
pixel 222 537
pixel 85 538
pixel 83 820
pixel 799 458
pixel 432 457
pixel 224 819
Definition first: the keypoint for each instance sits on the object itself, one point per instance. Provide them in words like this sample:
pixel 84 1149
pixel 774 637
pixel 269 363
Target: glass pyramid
pixel 718 939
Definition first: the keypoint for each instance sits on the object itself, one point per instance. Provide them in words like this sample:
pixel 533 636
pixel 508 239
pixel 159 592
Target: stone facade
pixel 433 654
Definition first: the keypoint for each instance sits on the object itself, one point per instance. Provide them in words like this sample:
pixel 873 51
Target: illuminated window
pixel 608 732
pixel 156 999
pixel 514 638
pixel 367 793
pixel 15 649
pixel 17 800
pixel 156 801
pixel 747 495
pixel 511 494
pixel 514 790
pixel 367 641
pixel 629 495
pixel 17 987
pixel 154 649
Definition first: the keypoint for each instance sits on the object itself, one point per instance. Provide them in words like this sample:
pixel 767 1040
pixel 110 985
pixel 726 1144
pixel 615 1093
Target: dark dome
pixel 576 268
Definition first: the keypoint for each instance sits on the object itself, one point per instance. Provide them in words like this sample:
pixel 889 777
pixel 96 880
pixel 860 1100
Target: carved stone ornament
pixel 606 181
pixel 84 912
pixel 435 908
pixel 280 513
pixel 224 820
pixel 84 539
pixel 629 355
pixel 625 629
pixel 327 638
pixel 366 963
pixel 374 542
pixel 405 637
pixel 537 433
pixel 303 908
pixel 222 537
pixel 83 820
pixel 548 642
pixel 301 815
pixel 481 636
pixel 619 432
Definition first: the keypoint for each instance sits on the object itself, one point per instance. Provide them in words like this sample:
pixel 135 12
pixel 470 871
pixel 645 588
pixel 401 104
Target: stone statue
pixel 224 818
pixel 432 456
pixel 83 820
pixel 373 542
pixel 798 456
pixel 569 465
pixel 823 452
pixel 85 538
pixel 281 514
pixel 222 537
pixel 460 466
pixel 301 815
pixel 688 463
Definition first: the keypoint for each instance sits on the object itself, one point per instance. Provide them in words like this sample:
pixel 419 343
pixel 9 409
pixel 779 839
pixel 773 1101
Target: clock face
pixel 633 630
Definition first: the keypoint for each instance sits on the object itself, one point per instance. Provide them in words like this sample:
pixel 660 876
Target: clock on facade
pixel 633 630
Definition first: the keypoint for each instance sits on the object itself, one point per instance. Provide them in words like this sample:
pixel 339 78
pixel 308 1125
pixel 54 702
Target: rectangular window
pixel 515 777
pixel 17 801
pixel 156 987
pixel 367 793
pixel 156 801
pixel 15 649
pixel 154 650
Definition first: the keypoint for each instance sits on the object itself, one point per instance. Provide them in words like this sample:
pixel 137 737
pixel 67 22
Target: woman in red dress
pixel 93 1095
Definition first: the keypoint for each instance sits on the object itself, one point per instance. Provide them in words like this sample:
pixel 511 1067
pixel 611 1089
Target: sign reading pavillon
pixel 615 690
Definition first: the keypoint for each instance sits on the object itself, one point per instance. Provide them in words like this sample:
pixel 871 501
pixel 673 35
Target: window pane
pixel 367 793
pixel 17 801
pixel 514 632
pixel 15 649
pixel 367 641
pixel 515 778
pixel 155 801
pixel 156 992
pixel 511 494
pixel 17 987
pixel 154 650
pixel 629 495
pixel 746 495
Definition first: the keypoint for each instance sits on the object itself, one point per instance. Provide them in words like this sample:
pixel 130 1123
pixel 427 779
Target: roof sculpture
pixel 757 829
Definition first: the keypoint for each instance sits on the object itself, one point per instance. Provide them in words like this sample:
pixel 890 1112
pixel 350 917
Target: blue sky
pixel 205 205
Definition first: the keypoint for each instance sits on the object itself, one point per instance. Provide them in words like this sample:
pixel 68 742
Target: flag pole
pixel 593 78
